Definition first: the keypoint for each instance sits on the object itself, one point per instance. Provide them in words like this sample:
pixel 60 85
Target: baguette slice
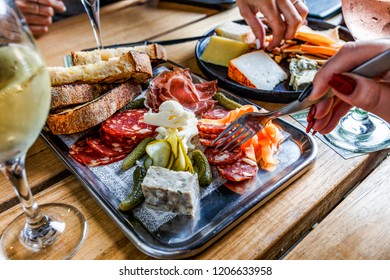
pixel 236 31
pixel 94 112
pixel 155 52
pixel 74 94
pixel 131 65
pixel 256 70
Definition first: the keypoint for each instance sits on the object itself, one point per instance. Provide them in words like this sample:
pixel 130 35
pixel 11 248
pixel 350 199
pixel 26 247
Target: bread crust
pixel 131 65
pixel 74 94
pixel 93 113
pixel 155 52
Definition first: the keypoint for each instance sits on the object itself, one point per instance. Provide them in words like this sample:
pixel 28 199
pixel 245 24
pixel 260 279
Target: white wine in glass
pixel 92 7
pixel 50 231
pixel 360 131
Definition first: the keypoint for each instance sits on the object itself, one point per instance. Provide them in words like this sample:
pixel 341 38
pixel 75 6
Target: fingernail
pixel 312 112
pixel 258 44
pixel 310 125
pixel 343 83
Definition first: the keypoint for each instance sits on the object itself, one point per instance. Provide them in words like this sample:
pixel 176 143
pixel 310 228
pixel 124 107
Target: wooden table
pixel 336 210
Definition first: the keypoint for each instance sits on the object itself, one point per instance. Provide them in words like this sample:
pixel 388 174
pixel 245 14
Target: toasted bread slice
pixel 74 94
pixel 131 65
pixel 155 52
pixel 257 70
pixel 94 112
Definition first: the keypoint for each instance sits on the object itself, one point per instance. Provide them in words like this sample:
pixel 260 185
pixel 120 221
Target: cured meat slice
pixel 218 157
pixel 98 145
pixel 205 142
pixel 113 141
pixel 207 135
pixel 85 155
pixel 241 170
pixel 241 187
pixel 177 85
pixel 128 124
pixel 215 114
pixel 211 128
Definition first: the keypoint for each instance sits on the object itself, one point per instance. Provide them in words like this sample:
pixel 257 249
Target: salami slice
pixel 207 135
pixel 217 113
pixel 128 124
pixel 205 142
pixel 85 155
pixel 211 128
pixel 98 145
pixel 218 157
pixel 241 170
pixel 208 141
pixel 241 187
pixel 114 142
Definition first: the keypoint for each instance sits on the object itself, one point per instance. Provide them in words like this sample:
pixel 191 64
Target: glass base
pixel 62 238
pixel 356 137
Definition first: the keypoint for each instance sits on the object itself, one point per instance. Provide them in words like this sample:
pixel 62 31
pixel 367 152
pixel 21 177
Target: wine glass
pixel 360 131
pixel 92 7
pixel 50 231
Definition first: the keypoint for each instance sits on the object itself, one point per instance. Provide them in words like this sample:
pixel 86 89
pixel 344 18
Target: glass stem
pixel 360 114
pixel 92 8
pixel 15 172
pixel 357 124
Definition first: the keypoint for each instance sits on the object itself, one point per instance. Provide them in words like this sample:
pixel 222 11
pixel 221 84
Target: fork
pixel 249 124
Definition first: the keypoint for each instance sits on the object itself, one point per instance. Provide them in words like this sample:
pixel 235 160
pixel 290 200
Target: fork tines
pixel 232 137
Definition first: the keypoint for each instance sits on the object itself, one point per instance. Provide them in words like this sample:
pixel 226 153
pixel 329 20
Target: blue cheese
pixel 302 72
pixel 174 191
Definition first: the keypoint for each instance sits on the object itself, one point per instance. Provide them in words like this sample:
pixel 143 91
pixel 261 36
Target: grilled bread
pixel 90 114
pixel 74 94
pixel 131 65
pixel 155 52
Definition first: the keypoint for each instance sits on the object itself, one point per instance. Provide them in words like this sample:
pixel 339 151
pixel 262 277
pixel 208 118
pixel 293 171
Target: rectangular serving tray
pixel 168 236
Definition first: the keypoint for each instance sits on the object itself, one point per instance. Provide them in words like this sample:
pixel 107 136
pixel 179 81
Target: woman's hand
pixel 350 90
pixel 39 13
pixel 283 16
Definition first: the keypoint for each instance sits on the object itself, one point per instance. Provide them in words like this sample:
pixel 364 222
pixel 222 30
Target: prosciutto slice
pixel 177 85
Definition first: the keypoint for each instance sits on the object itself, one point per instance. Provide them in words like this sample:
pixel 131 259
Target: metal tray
pixel 168 236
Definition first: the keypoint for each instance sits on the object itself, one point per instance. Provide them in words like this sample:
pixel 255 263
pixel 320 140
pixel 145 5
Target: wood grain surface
pixel 270 231
pixel 358 228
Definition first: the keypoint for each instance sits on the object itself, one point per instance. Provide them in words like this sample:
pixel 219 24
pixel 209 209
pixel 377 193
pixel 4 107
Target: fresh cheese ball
pixel 174 191
pixel 257 70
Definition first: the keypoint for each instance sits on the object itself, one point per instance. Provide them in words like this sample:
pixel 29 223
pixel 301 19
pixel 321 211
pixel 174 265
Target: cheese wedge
pixel 221 50
pixel 257 70
pixel 236 31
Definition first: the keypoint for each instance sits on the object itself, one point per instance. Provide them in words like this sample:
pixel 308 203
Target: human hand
pixel 283 16
pixel 39 13
pixel 350 90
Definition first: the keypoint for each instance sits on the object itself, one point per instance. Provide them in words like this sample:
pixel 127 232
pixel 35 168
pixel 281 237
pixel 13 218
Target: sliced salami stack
pixel 86 155
pixel 117 137
pixel 232 165
pixel 208 132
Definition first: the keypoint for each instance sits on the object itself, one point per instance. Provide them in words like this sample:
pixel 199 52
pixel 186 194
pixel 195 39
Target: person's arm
pixel 283 16
pixel 350 90
pixel 39 13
